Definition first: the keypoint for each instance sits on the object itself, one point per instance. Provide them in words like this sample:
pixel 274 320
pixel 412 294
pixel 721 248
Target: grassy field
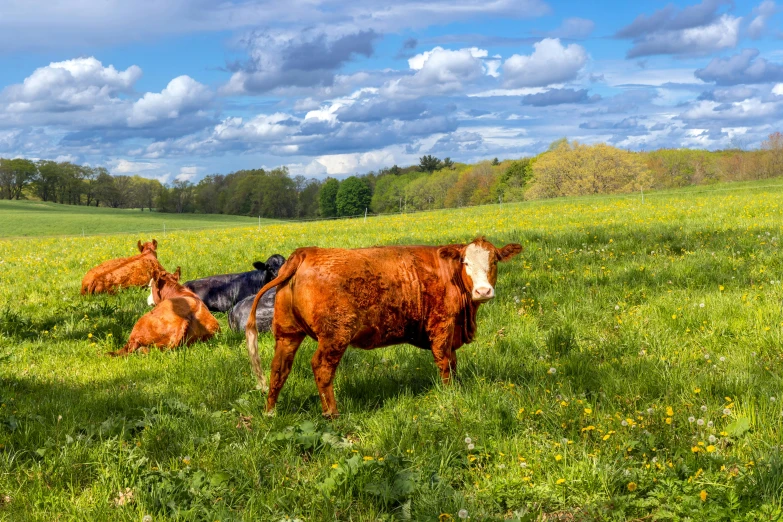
pixel 630 367
pixel 35 218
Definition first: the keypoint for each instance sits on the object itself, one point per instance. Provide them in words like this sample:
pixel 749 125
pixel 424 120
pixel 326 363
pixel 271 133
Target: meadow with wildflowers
pixel 629 367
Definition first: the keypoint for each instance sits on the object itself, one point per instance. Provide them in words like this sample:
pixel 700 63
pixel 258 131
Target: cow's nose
pixel 485 292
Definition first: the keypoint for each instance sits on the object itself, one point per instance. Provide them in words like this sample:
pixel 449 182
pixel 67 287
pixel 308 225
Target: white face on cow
pixel 478 266
pixel 150 300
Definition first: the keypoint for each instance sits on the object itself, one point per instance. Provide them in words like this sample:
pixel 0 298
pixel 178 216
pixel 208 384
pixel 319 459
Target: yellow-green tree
pixel 575 169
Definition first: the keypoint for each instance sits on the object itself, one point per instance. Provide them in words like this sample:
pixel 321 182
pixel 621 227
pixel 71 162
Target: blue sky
pixel 186 88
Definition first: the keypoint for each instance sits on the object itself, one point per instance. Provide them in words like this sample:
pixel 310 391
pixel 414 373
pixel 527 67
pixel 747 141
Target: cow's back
pixel 237 316
pixel 132 271
pixel 94 273
pixel 221 292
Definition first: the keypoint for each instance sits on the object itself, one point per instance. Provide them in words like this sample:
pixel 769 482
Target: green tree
pixel 327 198
pixel 353 197
pixel 513 181
pixel 448 164
pixel 429 163
pixel 576 169
pixel 15 176
pixel 495 162
pixel 47 180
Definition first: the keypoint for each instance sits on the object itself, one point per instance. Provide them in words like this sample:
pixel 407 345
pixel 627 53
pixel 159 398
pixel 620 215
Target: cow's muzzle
pixel 483 294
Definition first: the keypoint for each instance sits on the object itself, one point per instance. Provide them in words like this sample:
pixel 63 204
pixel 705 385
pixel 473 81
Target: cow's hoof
pixel 330 416
pixel 263 387
pixel 270 413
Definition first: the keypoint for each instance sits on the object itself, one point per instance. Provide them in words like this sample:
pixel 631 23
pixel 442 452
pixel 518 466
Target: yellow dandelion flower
pixel 703 494
pixel 560 481
pixel 632 486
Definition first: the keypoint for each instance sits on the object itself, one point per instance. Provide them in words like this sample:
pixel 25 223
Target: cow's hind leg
pixel 285 350
pixel 325 361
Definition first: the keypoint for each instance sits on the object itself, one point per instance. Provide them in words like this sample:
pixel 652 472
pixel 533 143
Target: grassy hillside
pixel 31 218
pixel 630 366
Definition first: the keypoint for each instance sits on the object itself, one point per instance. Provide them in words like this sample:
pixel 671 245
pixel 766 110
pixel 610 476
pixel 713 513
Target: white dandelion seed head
pixel 710 424
pixel 468 440
pixel 700 422
pixel 772 399
pixel 523 464
pixel 463 514
pixel 650 411
pixel 726 411
pixel 722 359
pixel 471 446
pixel 691 419
pixel 559 397
pixel 616 307
pixel 701 305
pixel 712 438
pixel 552 371
pixel 147 518
pixel 706 356
pixel 703 407
pixel 624 423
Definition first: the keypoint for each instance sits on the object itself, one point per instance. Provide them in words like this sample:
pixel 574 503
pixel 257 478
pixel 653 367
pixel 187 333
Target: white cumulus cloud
pixel 70 85
pixel 551 62
pixel 182 94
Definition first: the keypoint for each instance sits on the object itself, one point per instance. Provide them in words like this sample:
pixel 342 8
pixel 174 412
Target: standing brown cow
pixel 179 317
pixel 426 296
pixel 124 272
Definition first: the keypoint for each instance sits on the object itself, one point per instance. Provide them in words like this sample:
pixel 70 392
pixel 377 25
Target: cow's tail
pixel 286 272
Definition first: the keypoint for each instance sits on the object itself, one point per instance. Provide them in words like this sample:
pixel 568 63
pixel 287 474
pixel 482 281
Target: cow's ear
pixel 140 246
pixel 259 265
pixel 509 251
pixel 155 243
pixel 178 273
pixel 155 289
pixel 451 252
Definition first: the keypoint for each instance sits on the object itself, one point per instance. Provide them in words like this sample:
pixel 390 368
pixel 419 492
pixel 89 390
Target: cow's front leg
pixel 445 357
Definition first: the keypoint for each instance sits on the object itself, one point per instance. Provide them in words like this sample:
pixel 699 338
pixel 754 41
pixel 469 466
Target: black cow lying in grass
pixel 237 316
pixel 222 292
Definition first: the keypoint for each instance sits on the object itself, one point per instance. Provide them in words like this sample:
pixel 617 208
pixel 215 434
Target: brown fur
pixel 124 272
pixel 369 298
pixel 179 317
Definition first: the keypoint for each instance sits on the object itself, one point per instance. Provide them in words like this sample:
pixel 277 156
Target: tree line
pixel 566 168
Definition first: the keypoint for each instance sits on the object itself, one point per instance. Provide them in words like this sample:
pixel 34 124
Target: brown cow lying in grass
pixel 123 272
pixel 179 317
pixel 426 296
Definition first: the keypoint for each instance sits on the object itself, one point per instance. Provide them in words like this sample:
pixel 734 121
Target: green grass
pixel 35 218
pixel 648 314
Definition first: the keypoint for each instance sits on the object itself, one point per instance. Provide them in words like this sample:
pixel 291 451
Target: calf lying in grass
pixel 179 317
pixel 123 272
